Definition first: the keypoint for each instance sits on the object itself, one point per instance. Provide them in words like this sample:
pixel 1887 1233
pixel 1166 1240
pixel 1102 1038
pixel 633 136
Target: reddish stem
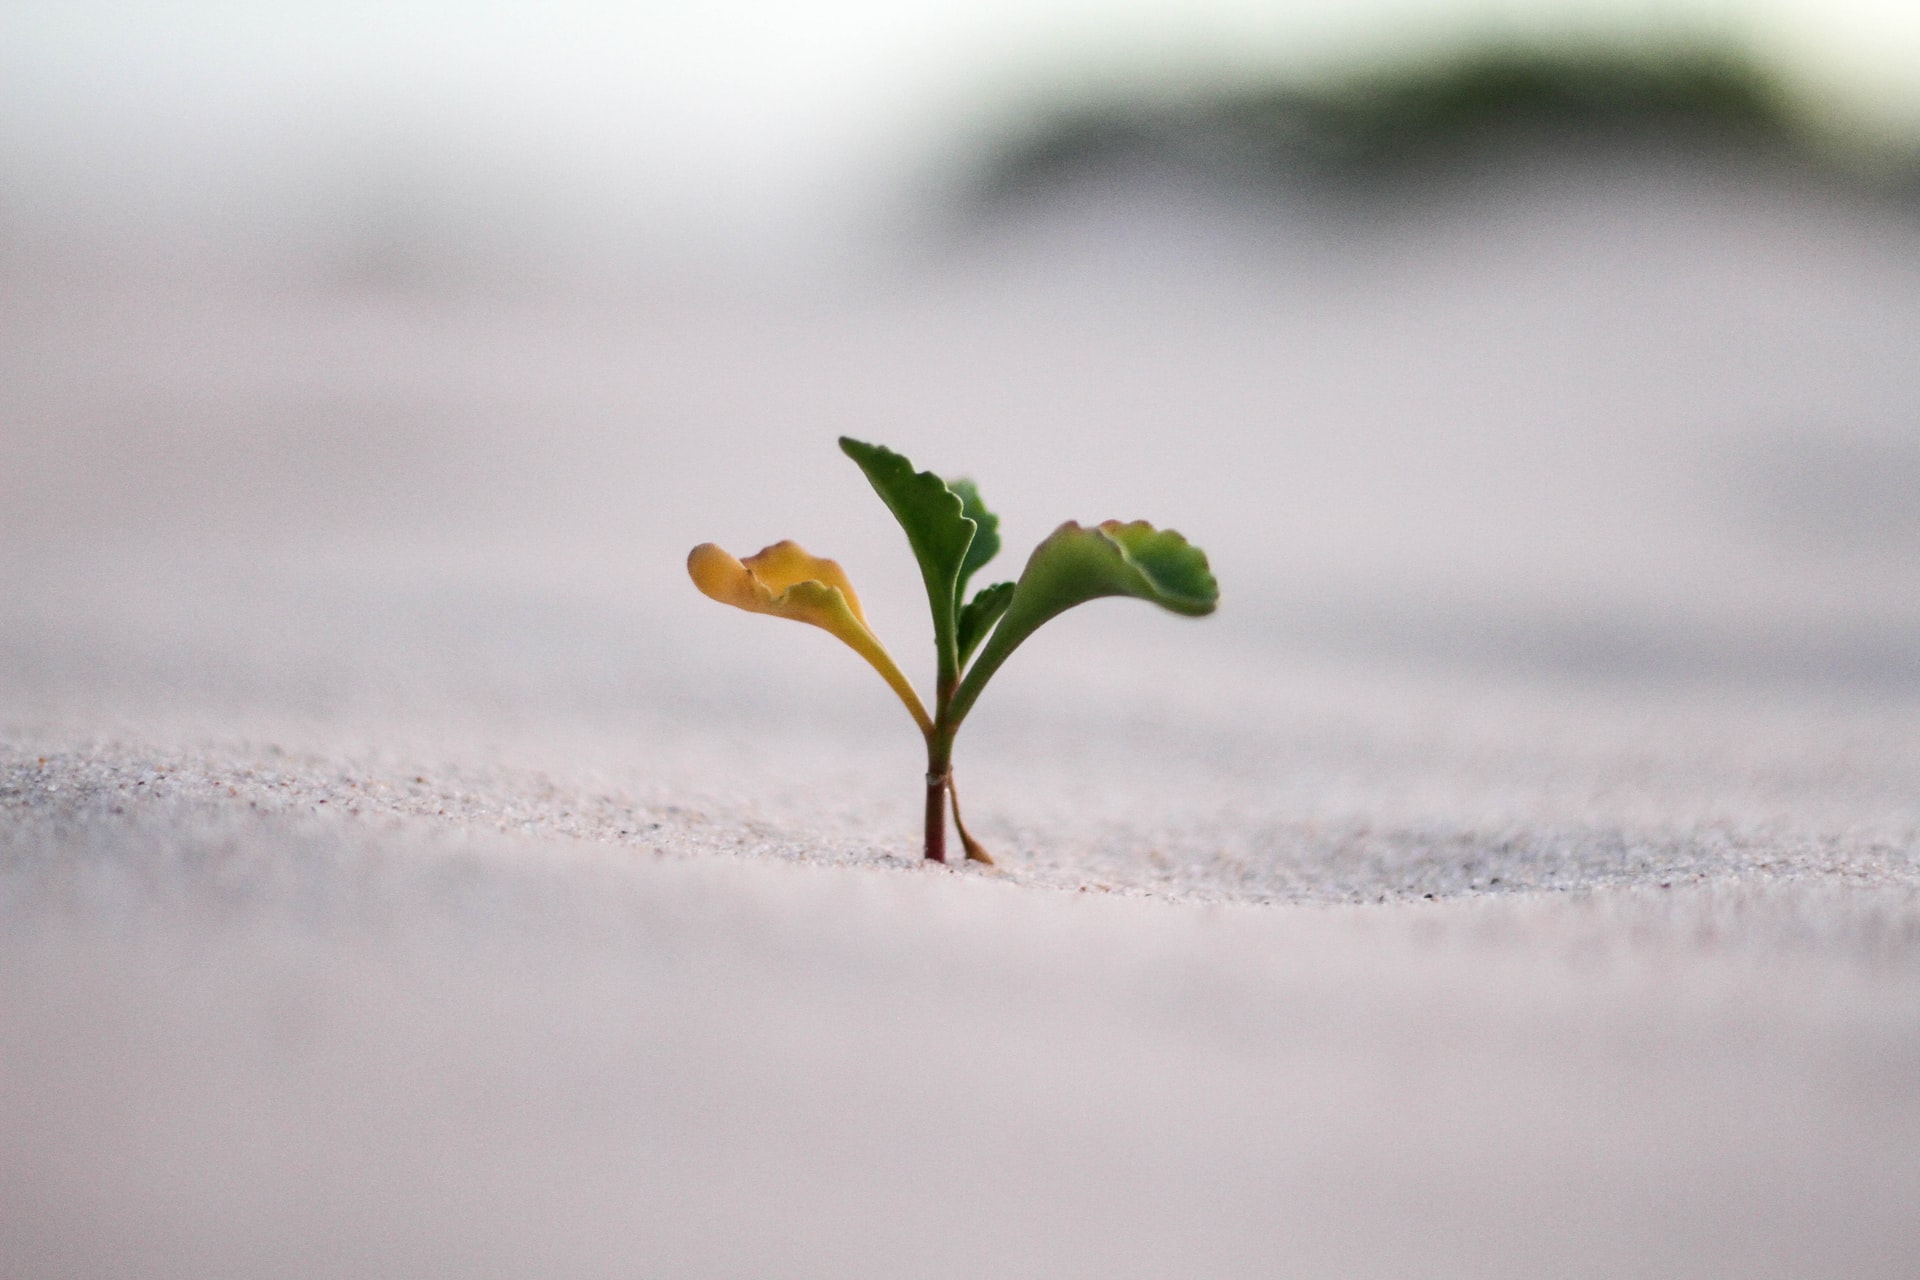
pixel 937 816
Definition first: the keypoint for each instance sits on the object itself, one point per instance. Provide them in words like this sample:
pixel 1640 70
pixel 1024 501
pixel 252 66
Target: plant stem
pixel 936 815
pixel 939 771
pixel 976 852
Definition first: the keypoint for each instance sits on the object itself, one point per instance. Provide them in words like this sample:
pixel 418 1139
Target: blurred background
pixel 611 146
pixel 1571 340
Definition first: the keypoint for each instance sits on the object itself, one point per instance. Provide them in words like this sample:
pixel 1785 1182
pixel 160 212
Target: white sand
pixel 403 872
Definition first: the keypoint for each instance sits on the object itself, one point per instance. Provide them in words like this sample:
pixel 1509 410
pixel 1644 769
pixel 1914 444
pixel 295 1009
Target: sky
pixel 736 122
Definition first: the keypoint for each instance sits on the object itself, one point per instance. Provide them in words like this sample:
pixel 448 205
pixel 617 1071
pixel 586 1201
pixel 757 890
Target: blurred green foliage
pixel 1425 122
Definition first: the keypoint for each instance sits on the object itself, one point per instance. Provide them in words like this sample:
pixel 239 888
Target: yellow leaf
pixel 786 581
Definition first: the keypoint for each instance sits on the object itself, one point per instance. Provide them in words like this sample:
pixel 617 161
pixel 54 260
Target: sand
pixel 404 872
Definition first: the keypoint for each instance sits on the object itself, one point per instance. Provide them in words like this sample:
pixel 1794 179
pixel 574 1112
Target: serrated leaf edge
pixel 1001 644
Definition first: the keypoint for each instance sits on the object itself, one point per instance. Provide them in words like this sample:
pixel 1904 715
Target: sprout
pixel 953 535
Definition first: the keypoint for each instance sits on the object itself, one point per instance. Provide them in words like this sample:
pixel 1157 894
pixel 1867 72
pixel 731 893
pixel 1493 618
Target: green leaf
pixel 986 542
pixel 979 614
pixel 937 528
pixel 1077 564
pixel 1174 572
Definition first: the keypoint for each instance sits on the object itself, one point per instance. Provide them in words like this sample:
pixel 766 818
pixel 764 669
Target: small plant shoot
pixel 953 537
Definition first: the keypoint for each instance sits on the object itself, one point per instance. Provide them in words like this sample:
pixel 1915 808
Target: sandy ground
pixel 403 872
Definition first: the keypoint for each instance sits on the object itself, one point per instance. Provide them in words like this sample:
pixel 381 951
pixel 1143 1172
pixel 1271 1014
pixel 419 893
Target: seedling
pixel 953 535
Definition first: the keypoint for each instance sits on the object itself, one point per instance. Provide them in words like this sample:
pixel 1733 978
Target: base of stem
pixel 937 815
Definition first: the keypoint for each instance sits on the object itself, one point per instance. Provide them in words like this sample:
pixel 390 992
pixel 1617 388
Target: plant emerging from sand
pixel 953 536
